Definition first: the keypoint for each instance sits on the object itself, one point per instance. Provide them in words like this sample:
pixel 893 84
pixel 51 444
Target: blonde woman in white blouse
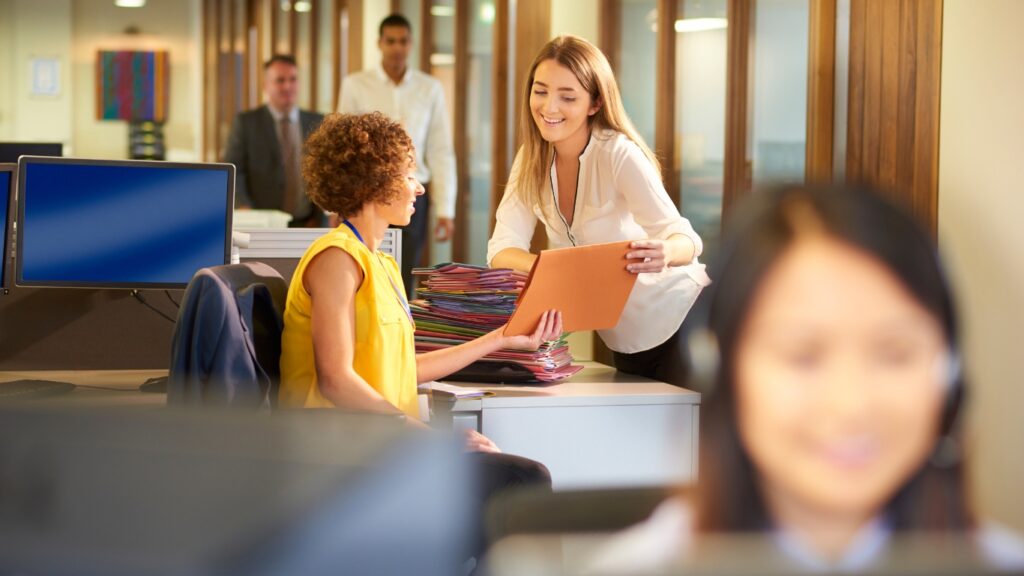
pixel 587 176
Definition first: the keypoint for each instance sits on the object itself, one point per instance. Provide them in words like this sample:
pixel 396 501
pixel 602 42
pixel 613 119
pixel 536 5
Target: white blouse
pixel 619 196
pixel 666 538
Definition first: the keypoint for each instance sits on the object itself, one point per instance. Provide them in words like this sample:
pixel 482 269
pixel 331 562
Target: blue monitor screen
pixel 5 224
pixel 121 224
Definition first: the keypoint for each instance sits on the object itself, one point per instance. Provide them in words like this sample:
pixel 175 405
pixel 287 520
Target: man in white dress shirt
pixel 415 100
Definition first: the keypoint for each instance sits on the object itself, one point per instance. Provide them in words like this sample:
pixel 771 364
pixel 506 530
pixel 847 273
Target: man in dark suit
pixel 265 146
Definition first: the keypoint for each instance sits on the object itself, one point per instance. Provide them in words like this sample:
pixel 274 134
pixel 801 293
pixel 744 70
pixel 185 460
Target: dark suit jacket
pixel 227 338
pixel 254 150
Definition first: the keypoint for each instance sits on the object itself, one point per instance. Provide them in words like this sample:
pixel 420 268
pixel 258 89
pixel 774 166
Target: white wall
pixel 981 206
pixel 163 25
pixel 373 12
pixel 578 17
pixel 73 32
pixel 6 68
pixel 34 29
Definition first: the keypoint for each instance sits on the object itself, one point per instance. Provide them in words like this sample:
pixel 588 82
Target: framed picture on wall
pixel 132 85
pixel 44 76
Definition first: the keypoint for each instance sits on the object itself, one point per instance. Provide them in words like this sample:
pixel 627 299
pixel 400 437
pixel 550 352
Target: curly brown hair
pixel 355 159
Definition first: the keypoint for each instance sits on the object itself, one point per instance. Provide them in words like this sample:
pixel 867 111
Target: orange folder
pixel 589 284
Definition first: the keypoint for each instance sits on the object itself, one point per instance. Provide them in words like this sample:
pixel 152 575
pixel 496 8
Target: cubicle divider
pixel 84 329
pixel 87 329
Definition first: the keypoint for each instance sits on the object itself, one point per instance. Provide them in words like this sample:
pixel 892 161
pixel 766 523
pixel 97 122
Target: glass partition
pixel 701 45
pixel 778 91
pixel 480 127
pixel 638 47
pixel 442 67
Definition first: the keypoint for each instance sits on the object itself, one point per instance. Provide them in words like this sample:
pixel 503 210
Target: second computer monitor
pixel 6 209
pixel 11 151
pixel 120 223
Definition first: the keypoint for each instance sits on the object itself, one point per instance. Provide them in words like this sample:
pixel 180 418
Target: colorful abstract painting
pixel 131 85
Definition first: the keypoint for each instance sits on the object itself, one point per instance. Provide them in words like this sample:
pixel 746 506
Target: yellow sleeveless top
pixel 385 354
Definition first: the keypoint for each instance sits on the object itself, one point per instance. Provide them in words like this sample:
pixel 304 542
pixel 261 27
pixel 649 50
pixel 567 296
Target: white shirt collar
pixel 865 549
pixel 293 114
pixel 383 75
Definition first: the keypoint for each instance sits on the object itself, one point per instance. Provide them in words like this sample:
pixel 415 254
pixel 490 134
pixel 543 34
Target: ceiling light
pixel 487 13
pixel 443 11
pixel 303 6
pixel 700 24
pixel 130 3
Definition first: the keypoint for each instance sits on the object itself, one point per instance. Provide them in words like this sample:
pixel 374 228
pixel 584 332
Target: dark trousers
pixel 415 236
pixel 666 362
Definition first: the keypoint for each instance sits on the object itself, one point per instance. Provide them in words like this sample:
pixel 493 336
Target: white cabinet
pixel 600 429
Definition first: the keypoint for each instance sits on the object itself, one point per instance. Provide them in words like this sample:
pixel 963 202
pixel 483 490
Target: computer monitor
pixel 6 211
pixel 11 151
pixel 128 224
pixel 111 491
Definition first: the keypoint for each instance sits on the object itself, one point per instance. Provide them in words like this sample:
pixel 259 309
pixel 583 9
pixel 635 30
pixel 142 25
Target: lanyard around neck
pixel 398 293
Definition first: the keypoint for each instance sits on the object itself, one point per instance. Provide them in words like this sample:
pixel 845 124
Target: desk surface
pixel 595 385
pixel 97 387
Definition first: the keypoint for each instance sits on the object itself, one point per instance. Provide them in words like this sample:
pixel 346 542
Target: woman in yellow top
pixel 348 331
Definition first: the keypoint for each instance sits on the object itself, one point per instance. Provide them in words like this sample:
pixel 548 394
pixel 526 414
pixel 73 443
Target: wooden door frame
pixel 737 176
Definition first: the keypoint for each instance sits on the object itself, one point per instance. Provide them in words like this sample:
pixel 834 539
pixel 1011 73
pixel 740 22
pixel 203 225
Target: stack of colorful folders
pixel 460 302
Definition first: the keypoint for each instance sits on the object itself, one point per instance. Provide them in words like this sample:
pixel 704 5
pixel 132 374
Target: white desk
pixel 601 428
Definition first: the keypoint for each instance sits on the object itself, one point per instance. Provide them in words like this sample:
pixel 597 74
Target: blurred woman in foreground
pixel 832 388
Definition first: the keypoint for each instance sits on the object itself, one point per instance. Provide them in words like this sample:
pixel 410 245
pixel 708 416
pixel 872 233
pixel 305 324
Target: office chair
pixel 227 339
pixel 535 511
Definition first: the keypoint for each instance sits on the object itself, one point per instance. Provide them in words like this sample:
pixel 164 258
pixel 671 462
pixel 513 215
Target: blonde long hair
pixel 594 73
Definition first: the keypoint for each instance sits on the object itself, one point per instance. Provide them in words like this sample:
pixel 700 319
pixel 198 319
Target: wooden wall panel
pixel 275 14
pixel 907 95
pixel 336 8
pixel 893 124
pixel 887 142
pixel 218 81
pixel 501 155
pixel 426 35
pixel 533 30
pixel 355 35
pixel 872 86
pixel 460 239
pixel 664 99
pixel 924 193
pixel 293 33
pixel 314 49
pixel 208 80
pixel 239 35
pixel 855 97
pixel 820 90
pixel 609 32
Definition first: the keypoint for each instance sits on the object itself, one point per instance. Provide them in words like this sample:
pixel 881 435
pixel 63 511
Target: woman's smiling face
pixel 840 380
pixel 560 105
